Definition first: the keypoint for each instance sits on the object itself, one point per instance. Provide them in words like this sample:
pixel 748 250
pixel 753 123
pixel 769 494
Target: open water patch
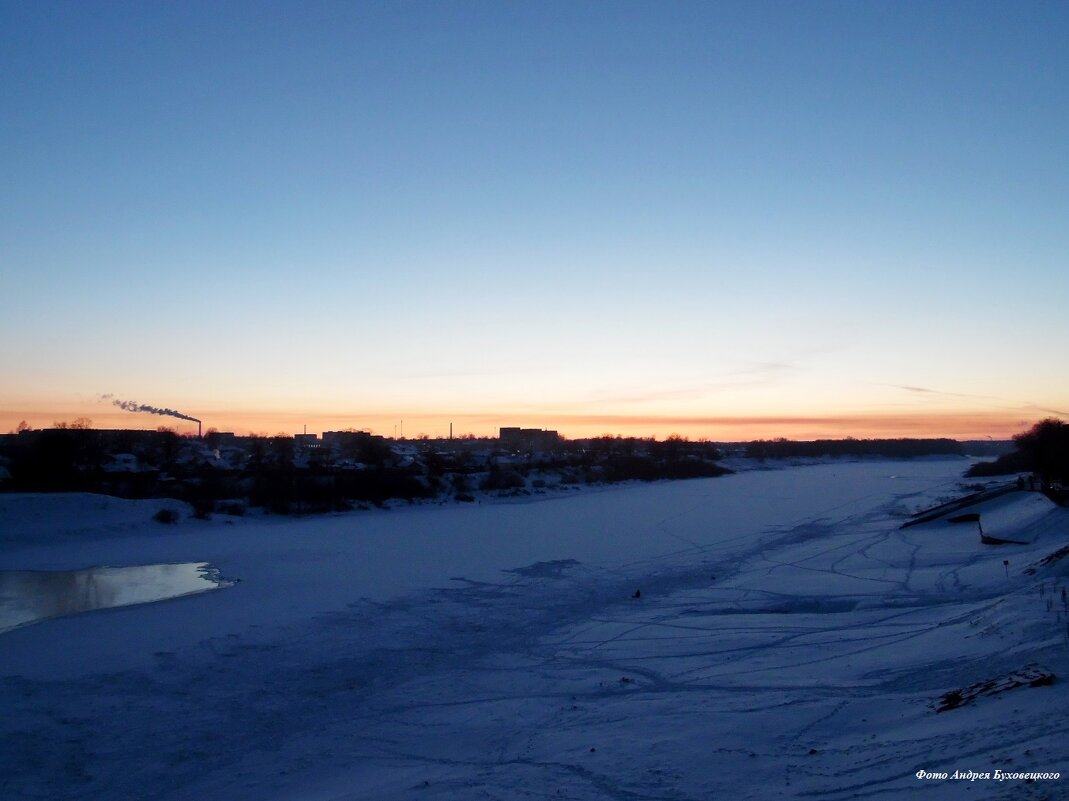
pixel 30 596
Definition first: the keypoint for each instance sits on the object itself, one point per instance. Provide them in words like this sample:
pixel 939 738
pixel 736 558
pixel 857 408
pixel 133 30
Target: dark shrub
pixel 1007 464
pixel 502 478
pixel 203 508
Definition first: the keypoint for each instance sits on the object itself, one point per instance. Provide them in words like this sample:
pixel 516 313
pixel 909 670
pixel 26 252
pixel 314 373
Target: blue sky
pixel 645 214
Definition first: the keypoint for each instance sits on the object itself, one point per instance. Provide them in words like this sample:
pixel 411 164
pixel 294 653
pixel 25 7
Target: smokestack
pixel 199 435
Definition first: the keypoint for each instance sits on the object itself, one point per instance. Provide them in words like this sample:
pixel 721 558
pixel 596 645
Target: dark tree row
pixel 1043 449
pixel 889 448
pixel 227 473
pixel 77 459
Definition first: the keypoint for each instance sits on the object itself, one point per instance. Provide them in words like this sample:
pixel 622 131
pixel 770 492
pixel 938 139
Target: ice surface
pixel 789 641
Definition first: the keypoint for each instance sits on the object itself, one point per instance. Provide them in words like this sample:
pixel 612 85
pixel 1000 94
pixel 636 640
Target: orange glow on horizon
pixel 957 425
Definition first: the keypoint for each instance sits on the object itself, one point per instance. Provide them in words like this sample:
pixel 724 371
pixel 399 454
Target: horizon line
pixel 897 424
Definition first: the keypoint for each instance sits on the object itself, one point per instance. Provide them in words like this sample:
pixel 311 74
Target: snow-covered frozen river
pixel 788 639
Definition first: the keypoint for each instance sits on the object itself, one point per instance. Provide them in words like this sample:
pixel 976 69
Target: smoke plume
pixel 134 406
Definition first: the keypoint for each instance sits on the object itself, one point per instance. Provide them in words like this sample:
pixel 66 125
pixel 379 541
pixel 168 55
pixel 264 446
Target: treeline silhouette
pixel 889 448
pixel 1043 450
pixel 81 460
pixel 224 473
pixel 613 459
pixel 275 473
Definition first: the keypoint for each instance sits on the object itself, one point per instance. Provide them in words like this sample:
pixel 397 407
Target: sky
pixel 722 220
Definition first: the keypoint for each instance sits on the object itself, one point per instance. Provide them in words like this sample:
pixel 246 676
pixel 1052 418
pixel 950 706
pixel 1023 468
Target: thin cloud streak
pixel 968 425
pixel 1012 404
pixel 859 420
pixel 761 375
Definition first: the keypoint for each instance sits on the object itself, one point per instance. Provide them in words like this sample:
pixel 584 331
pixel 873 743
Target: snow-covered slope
pixel 788 640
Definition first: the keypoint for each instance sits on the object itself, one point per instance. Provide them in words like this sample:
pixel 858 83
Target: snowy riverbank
pixel 789 640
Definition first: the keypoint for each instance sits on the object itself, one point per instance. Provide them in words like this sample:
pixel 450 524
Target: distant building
pixel 357 446
pixel 515 438
pixel 307 442
pixel 340 439
pixel 122 463
pixel 111 440
pixel 510 436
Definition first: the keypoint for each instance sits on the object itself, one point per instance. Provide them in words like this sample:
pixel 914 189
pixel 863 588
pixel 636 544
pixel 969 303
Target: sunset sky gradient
pixel 725 220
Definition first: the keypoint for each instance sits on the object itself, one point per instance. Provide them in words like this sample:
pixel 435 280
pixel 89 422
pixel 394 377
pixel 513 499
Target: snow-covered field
pixel 788 641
